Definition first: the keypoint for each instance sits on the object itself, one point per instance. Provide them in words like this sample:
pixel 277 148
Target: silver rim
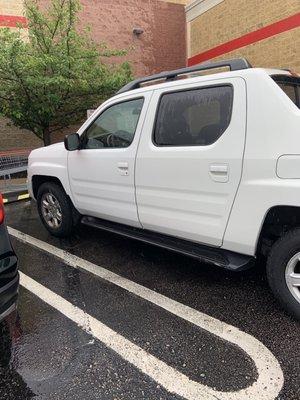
pixel 292 276
pixel 51 210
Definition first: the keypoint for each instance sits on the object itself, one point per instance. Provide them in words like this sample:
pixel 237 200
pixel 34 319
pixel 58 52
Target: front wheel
pixel 283 271
pixel 56 210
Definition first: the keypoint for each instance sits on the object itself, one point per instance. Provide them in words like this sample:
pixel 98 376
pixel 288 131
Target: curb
pixel 15 196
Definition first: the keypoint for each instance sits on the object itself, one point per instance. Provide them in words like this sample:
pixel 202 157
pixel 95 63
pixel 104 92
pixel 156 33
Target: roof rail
pixel 234 64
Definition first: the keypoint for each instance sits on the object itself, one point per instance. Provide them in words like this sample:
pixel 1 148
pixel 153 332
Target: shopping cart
pixel 13 170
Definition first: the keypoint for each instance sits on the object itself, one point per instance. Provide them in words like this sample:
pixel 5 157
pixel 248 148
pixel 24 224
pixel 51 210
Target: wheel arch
pixel 38 180
pixel 278 220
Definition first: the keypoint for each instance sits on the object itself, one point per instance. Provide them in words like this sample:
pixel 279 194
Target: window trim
pixel 83 135
pixel 289 80
pixel 188 90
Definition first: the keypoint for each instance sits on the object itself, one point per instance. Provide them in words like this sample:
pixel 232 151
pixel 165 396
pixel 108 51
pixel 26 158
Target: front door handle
pixel 219 172
pixel 123 168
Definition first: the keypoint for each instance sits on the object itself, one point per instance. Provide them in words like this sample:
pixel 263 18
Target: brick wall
pixel 176 1
pixel 280 51
pixel 11 7
pixel 13 138
pixel 234 18
pixel 152 51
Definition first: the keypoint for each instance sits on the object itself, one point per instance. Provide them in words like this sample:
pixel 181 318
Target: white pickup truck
pixel 208 166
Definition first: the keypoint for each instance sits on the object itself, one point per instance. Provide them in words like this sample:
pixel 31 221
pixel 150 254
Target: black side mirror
pixel 72 142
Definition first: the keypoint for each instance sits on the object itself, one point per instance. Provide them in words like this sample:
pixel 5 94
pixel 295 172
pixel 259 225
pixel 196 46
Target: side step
pixel 213 255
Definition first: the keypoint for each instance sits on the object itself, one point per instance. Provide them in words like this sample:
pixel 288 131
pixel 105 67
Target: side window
pixel 289 90
pixel 291 87
pixel 115 127
pixel 193 117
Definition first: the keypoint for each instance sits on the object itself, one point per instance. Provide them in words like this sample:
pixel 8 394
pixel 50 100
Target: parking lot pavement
pixel 84 332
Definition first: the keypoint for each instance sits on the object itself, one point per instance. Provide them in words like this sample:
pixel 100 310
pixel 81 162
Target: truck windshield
pixel 291 87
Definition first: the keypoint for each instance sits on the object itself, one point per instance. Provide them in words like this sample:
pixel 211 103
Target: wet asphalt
pixel 50 357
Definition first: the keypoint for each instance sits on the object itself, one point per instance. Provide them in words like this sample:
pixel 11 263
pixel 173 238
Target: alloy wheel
pixel 51 210
pixel 292 276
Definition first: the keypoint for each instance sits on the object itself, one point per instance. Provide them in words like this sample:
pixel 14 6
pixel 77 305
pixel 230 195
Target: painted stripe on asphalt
pixel 270 377
pixel 23 196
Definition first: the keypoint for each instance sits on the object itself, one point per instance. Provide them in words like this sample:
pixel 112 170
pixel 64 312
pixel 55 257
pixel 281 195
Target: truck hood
pixel 48 151
pixel 53 155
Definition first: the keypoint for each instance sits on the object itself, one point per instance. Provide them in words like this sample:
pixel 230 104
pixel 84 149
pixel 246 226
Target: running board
pixel 213 255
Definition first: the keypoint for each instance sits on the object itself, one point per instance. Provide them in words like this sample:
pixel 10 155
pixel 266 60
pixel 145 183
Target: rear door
pixel 189 160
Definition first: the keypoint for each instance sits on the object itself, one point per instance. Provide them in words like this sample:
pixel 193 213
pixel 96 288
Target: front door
pixel 101 173
pixel 190 157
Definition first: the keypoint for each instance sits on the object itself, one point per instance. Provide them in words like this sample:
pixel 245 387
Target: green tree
pixel 52 75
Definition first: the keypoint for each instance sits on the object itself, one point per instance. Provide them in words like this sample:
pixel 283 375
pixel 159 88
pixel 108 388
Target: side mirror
pixel 72 142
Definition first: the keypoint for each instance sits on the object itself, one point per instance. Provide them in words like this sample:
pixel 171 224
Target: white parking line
pixel 270 377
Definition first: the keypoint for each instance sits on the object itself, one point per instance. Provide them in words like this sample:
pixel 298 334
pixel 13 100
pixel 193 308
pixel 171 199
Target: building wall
pixel 11 13
pixel 113 22
pixel 12 137
pixel 152 51
pixel 176 1
pixel 11 7
pixel 218 31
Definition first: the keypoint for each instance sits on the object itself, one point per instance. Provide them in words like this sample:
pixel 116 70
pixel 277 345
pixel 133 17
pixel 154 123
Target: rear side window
pixel 193 117
pixel 290 86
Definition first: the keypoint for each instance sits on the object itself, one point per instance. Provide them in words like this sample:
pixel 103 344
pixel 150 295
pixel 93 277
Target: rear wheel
pixel 283 271
pixel 56 210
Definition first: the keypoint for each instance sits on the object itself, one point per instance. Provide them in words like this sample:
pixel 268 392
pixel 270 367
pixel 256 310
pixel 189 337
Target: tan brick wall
pixel 184 2
pixel 234 18
pixel 11 7
pixel 280 51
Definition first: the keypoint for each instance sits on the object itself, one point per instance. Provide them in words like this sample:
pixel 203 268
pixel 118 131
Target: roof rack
pixel 234 64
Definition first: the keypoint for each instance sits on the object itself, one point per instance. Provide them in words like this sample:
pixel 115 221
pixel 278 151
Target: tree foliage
pixel 51 75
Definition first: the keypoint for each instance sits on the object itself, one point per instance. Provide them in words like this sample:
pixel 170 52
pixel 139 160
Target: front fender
pixel 49 162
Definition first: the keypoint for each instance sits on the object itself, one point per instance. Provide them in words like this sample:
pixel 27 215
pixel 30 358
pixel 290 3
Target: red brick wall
pixel 162 45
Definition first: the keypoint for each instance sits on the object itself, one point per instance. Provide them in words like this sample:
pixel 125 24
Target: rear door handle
pixel 219 172
pixel 123 168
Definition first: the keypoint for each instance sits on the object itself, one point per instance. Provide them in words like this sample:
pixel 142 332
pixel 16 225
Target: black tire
pixel 281 253
pixel 69 216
